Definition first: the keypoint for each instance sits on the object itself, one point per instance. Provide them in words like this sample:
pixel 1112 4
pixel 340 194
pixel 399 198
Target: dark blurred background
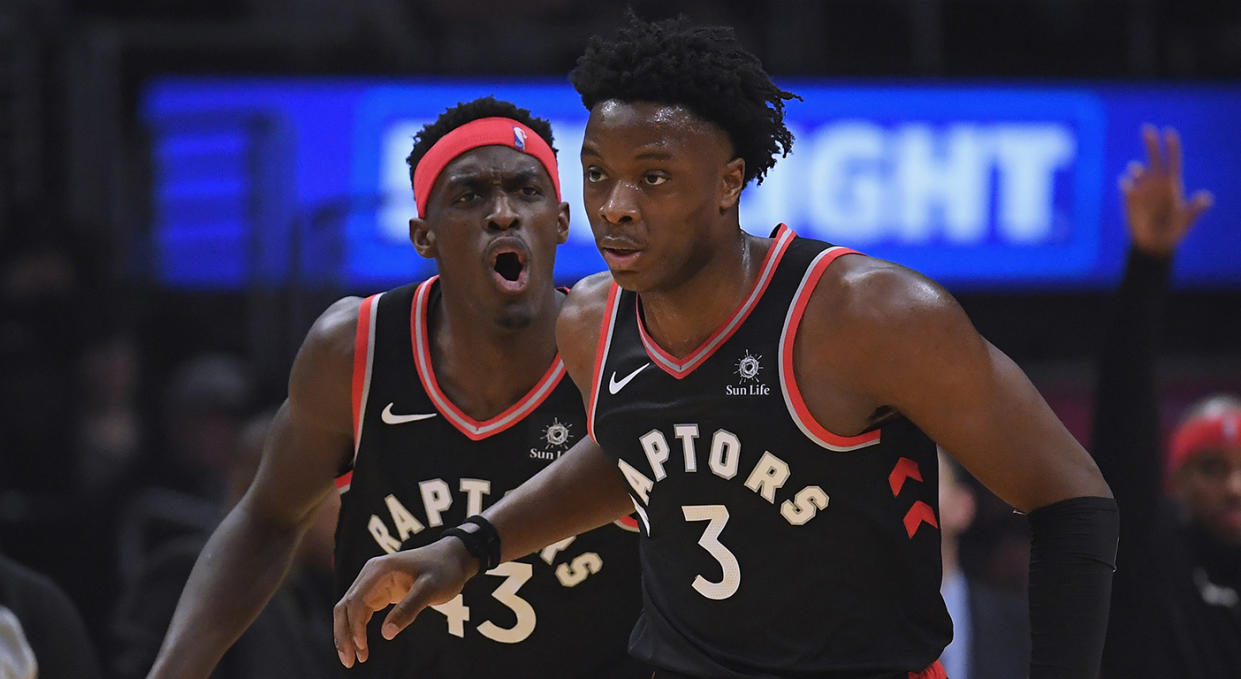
pixel 122 396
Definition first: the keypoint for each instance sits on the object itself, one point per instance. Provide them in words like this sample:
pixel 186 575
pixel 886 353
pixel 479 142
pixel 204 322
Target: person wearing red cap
pixel 1176 610
pixel 422 405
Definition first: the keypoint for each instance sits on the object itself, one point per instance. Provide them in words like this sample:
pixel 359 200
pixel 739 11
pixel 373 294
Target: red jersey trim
pixel 472 428
pixel 363 360
pixel 934 671
pixel 601 354
pixel 788 382
pixel 363 350
pixel 679 368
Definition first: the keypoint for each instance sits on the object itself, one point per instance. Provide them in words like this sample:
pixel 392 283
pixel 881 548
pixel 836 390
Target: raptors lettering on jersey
pixel 768 475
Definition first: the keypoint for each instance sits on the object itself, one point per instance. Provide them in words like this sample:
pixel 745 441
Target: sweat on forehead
pixel 650 124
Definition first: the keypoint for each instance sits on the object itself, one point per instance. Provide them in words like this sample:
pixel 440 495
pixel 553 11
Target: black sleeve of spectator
pixel 1126 429
pixel 1072 557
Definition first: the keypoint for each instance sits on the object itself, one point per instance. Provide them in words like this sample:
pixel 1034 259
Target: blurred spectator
pixel 41 633
pixel 41 291
pixel 204 412
pixel 291 637
pixel 1175 609
pixel 110 429
pixel 990 626
pixel 173 495
pixel 53 298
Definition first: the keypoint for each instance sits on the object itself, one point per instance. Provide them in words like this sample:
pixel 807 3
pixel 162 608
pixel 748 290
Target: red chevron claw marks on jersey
pixel 905 468
pixel 422 465
pixel 771 546
pixel 917 515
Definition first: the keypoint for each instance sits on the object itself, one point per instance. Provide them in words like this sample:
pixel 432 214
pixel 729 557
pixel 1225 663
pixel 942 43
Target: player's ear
pixel 562 224
pixel 731 182
pixel 422 237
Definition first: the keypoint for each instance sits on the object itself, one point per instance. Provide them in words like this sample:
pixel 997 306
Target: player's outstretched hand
pixel 412 580
pixel 1155 205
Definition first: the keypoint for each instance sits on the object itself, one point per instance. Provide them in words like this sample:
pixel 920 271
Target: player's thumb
pixel 404 612
pixel 1200 202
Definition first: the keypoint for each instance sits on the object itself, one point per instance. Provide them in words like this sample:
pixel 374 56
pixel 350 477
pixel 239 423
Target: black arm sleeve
pixel 1126 419
pixel 1072 556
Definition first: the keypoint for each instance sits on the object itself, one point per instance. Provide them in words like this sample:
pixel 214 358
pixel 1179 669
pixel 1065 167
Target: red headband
pixel 481 132
pixel 1202 433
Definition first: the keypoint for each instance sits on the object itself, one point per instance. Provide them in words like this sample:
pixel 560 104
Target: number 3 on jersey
pixel 515 574
pixel 715 516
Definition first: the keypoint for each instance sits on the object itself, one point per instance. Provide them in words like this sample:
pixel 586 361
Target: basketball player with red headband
pixel 1176 606
pixel 421 406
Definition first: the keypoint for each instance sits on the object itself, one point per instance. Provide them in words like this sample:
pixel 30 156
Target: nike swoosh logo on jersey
pixel 614 386
pixel 391 418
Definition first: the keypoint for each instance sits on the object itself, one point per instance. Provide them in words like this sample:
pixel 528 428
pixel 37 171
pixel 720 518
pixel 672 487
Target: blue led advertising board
pixel 995 186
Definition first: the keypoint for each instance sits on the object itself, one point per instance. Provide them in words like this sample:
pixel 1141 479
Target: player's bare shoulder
pixel 322 374
pixel 876 294
pixel 866 308
pixel 577 329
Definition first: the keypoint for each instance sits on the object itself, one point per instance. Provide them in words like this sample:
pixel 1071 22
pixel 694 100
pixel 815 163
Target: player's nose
pixel 502 215
pixel 620 205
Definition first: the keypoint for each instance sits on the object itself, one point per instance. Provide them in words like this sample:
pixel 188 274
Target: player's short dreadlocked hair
pixel 469 111
pixel 703 68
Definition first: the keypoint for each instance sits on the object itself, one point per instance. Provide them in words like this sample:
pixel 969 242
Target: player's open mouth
pixel 509 269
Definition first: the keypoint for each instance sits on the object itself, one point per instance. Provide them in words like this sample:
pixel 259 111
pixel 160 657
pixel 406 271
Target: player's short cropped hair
pixel 469 111
pixel 703 68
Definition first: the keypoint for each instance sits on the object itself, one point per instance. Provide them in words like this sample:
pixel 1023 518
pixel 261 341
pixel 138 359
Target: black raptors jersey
pixel 771 547
pixel 422 466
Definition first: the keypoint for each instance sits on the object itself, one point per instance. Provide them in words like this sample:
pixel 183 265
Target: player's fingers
pixel 1172 139
pixel 354 611
pixel 1150 138
pixel 1126 185
pixel 341 635
pixel 404 612
pixel 358 612
pixel 1135 169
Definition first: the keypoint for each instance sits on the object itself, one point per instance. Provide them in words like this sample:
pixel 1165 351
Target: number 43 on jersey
pixel 516 574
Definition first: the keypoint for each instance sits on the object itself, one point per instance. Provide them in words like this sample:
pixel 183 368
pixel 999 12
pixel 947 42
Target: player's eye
pixel 594 175
pixel 654 178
